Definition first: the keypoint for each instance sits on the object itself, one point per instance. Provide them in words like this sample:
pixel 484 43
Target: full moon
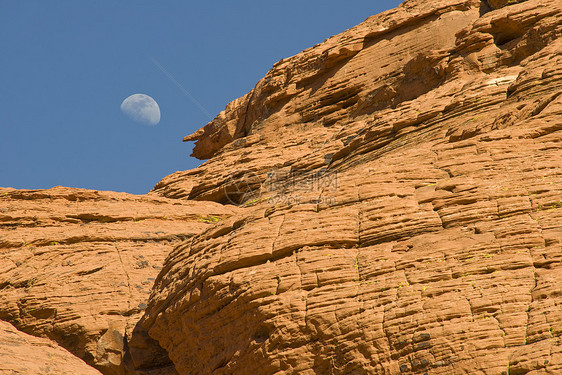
pixel 141 108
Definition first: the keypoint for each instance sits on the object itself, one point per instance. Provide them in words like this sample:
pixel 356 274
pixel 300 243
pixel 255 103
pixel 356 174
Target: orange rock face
pixel 25 354
pixel 77 266
pixel 436 246
pixel 386 202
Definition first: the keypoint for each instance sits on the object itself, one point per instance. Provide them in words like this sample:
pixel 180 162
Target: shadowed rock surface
pixel 400 188
pixel 25 354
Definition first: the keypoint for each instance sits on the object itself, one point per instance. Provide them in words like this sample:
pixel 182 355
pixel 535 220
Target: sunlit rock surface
pixel 386 202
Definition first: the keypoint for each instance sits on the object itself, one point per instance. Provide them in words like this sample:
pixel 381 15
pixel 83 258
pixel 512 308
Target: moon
pixel 141 108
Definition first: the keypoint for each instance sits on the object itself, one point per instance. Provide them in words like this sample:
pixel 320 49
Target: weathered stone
pixel 401 193
pixel 77 266
pixel 22 354
pixel 438 252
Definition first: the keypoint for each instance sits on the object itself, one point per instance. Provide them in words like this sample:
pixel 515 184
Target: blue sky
pixel 66 66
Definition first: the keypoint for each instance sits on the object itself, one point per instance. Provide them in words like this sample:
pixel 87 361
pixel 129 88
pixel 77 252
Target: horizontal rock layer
pixel 77 266
pixel 25 354
pixel 404 190
pixel 400 188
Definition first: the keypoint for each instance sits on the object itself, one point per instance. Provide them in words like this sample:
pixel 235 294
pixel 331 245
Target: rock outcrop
pixel 26 354
pixel 77 266
pixel 386 202
pixel 405 184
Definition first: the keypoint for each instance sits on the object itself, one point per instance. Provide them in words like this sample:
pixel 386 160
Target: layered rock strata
pixel 77 266
pixel 386 202
pixel 436 245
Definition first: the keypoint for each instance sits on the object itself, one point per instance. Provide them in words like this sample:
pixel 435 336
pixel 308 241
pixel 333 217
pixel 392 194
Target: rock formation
pixel 25 354
pixel 77 266
pixel 386 202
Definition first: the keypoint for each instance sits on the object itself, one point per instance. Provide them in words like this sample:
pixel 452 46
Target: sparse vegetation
pixel 252 202
pixel 211 219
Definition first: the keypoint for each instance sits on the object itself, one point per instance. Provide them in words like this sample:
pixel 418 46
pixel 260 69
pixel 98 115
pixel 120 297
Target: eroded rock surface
pixel 401 193
pixel 438 249
pixel 77 266
pixel 25 354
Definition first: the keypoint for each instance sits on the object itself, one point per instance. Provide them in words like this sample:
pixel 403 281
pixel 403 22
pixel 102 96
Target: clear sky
pixel 66 66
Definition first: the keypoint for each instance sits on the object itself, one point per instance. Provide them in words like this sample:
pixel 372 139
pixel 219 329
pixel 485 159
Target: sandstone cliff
pixel 386 202
pixel 77 266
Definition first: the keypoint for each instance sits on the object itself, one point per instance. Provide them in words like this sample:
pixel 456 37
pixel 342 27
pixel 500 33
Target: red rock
pixel 439 252
pixel 401 193
pixel 25 354
pixel 77 266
